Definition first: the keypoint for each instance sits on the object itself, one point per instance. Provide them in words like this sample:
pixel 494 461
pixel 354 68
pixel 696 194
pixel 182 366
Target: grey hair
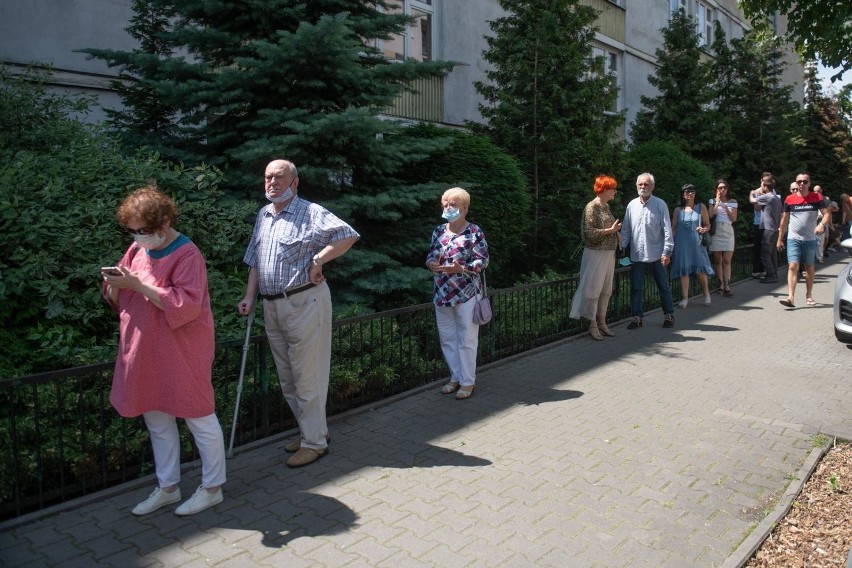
pixel 650 176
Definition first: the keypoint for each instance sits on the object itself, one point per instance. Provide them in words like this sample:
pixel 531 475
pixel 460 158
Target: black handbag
pixel 707 237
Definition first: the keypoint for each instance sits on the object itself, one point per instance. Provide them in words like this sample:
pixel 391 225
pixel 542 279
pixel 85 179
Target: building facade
pixel 628 36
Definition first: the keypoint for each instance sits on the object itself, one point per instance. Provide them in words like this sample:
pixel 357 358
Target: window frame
pixel 611 55
pixel 409 36
pixel 703 23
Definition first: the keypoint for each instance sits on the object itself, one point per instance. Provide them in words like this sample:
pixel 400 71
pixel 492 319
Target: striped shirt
pixel 282 246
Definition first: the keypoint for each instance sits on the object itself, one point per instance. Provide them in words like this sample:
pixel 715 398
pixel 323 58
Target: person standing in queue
pixel 166 347
pixel 292 240
pixel 457 255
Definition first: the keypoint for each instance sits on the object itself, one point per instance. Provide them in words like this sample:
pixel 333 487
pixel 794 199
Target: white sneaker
pixel 158 498
pixel 707 300
pixel 200 500
pixel 683 303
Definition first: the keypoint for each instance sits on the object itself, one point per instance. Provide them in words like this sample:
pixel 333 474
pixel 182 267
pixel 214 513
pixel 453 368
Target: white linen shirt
pixel 647 230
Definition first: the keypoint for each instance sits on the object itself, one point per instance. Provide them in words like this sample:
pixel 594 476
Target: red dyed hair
pixel 603 183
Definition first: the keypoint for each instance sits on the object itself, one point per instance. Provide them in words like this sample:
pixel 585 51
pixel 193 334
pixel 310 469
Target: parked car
pixel 843 300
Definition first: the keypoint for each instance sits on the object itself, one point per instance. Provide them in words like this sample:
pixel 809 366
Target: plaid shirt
pixel 471 251
pixel 282 246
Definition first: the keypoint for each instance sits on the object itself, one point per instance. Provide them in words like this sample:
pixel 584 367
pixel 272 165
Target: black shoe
pixel 769 281
pixel 669 321
pixel 635 324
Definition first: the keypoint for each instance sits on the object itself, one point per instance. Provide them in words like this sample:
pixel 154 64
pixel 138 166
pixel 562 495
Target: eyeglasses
pixel 142 231
pixel 804 181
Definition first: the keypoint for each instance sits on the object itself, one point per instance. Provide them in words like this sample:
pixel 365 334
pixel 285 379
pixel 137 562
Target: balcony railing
pixel 63 439
pixel 425 103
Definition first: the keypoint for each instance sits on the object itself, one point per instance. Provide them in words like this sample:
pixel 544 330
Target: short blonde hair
pixel 460 194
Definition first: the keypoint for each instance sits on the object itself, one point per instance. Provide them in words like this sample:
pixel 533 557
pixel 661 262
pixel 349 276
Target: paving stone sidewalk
pixel 654 448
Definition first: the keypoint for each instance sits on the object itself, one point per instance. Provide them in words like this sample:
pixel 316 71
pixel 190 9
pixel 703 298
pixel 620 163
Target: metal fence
pixel 64 440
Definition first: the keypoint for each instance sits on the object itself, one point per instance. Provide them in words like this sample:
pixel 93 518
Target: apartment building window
pixel 418 39
pixel 679 4
pixel 704 24
pixel 610 66
pixel 704 17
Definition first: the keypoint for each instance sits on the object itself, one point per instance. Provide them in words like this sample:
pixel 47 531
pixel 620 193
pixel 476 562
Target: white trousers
pixel 459 340
pixel 299 332
pixel 165 440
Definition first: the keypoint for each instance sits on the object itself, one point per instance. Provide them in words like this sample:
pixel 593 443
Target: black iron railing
pixel 62 438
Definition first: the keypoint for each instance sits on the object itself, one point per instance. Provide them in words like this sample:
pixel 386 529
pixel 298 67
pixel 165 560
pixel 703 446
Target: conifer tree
pixel 681 112
pixel 241 83
pixel 826 142
pixel 547 103
pixel 147 118
pixel 753 106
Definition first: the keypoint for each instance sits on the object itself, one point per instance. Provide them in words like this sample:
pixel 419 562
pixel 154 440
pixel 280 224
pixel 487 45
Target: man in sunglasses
pixel 805 218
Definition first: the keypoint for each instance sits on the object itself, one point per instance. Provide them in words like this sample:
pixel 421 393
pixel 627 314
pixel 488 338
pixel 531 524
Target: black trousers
pixel 757 264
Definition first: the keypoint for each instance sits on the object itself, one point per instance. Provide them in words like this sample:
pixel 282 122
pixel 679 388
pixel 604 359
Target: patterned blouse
pixel 470 250
pixel 596 218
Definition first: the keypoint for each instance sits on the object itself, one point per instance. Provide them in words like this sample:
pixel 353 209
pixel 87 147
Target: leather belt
pixel 288 293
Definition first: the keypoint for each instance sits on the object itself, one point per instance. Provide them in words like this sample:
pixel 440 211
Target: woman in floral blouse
pixel 457 256
pixel 599 231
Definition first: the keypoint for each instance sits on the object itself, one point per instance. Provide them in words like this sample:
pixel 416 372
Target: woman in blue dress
pixel 689 222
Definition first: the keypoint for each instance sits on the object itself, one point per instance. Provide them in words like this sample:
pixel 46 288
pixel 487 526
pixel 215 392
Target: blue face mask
pixel 452 214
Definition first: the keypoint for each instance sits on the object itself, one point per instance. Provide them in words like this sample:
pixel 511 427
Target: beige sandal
pixel 449 388
pixel 464 394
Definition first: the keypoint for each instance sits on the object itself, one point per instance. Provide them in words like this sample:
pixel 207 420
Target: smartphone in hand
pixel 111 271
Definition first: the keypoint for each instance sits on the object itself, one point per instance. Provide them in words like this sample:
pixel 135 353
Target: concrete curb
pixel 761 532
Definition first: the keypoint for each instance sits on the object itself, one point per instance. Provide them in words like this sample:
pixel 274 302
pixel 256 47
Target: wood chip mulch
pixel 817 532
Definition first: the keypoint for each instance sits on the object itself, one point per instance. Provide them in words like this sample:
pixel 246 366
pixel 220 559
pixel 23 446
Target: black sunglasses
pixel 142 231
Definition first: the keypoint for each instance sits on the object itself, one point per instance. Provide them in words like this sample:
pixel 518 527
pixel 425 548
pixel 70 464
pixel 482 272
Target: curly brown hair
pixel 150 206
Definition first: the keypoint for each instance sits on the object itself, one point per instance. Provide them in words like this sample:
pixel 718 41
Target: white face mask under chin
pixel 150 242
pixel 287 195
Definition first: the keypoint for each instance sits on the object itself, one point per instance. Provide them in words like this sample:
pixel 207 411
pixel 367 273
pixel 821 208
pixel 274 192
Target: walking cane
pixel 230 452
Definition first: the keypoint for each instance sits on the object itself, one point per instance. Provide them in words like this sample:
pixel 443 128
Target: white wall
pixel 463 27
pixel 48 31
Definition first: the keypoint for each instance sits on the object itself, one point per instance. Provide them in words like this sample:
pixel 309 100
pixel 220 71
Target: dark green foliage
pixel 819 29
pixel 546 103
pixel 680 113
pixel 825 138
pixel 756 109
pixel 500 202
pixel 60 184
pixel 671 168
pixel 277 79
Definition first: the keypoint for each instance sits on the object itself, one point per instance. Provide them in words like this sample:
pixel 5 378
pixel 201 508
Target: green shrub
pixel 672 168
pixel 500 202
pixel 60 183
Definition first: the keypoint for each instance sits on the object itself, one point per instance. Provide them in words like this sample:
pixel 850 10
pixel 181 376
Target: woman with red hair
pixel 599 231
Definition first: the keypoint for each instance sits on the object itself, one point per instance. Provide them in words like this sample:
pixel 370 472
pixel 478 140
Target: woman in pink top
pixel 166 346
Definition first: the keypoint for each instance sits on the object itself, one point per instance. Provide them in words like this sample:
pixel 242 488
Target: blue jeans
pixel 637 286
